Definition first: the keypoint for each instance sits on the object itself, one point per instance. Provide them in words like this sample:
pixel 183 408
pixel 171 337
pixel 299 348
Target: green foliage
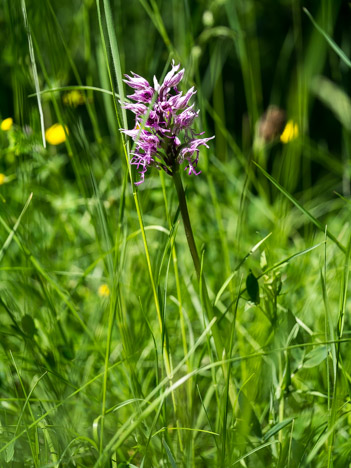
pixel 114 351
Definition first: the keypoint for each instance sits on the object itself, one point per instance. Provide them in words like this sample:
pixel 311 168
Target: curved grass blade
pixel 127 428
pixel 228 280
pixel 57 405
pixel 272 268
pixel 73 88
pixel 55 284
pixel 115 56
pixel 253 451
pixel 191 429
pixel 14 229
pixel 330 41
pixel 287 260
pixel 34 70
pixel 300 207
pixel 157 20
pixel 344 288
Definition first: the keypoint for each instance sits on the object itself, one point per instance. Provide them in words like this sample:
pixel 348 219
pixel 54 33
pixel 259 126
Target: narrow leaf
pixel 34 70
pixel 277 428
pixel 330 41
pixel 15 227
pixel 300 207
pixel 253 451
pixel 169 454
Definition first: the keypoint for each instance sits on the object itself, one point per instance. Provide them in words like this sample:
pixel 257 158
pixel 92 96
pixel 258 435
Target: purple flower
pixel 185 119
pixel 138 109
pixel 137 82
pixel 179 101
pixel 162 133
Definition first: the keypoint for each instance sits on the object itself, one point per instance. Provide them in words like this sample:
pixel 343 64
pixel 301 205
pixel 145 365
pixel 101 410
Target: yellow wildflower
pixel 2 178
pixel 73 98
pixel 56 134
pixel 104 290
pixel 290 132
pixel 6 124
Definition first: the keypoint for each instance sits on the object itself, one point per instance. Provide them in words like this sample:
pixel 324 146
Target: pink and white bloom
pixel 162 133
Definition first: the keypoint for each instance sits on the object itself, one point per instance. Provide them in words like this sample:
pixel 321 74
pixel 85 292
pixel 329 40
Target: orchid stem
pixel 220 349
pixel 186 221
pixel 195 256
pixel 196 260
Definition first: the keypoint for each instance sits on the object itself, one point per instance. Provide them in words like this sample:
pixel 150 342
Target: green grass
pixel 244 363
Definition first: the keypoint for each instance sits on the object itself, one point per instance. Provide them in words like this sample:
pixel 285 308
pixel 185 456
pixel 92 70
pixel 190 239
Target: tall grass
pixel 115 351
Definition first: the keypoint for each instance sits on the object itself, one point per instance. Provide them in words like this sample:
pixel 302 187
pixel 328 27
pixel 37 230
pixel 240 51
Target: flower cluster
pixel 163 117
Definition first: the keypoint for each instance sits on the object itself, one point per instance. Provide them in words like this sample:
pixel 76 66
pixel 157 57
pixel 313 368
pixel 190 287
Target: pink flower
pixel 162 133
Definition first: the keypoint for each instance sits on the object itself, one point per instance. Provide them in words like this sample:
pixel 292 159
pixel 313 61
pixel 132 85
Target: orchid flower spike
pixel 162 132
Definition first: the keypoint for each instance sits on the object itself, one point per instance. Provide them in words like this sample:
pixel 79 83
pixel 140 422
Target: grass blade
pixel 169 454
pixel 115 57
pixel 300 207
pixel 254 451
pixel 14 229
pixel 34 70
pixel 330 41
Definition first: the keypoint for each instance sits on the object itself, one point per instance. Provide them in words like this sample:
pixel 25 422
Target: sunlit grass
pixel 109 355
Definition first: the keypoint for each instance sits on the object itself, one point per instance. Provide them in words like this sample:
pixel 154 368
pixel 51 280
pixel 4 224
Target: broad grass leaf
pixel 316 356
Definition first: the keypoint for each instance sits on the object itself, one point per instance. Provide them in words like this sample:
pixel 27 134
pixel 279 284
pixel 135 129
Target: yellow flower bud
pixel 104 290
pixel 6 124
pixel 290 132
pixel 56 134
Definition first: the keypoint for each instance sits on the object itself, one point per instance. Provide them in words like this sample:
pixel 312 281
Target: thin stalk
pixel 187 225
pixel 111 317
pixel 118 73
pixel 220 349
pixel 176 272
pixel 180 307
pixel 282 401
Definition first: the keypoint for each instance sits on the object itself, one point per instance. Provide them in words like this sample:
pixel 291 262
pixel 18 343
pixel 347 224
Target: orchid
pixel 162 132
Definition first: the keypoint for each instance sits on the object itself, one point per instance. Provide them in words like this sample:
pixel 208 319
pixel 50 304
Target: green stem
pixel 196 260
pixel 186 221
pixel 220 349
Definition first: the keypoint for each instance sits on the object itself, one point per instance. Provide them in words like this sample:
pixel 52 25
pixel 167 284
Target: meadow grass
pixel 116 350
